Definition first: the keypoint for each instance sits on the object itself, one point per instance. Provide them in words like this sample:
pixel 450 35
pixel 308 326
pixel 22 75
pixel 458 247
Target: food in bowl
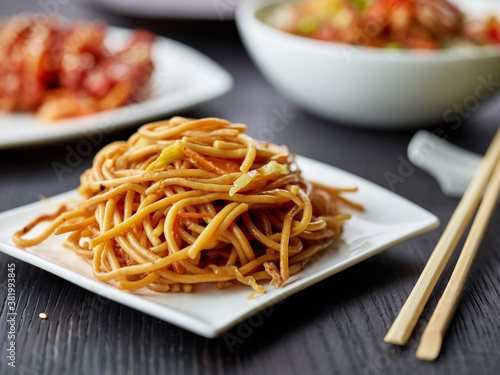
pixel 60 70
pixel 363 86
pixel 409 24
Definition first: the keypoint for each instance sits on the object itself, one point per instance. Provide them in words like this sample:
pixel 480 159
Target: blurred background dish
pixel 59 70
pixel 187 9
pixel 183 78
pixel 366 86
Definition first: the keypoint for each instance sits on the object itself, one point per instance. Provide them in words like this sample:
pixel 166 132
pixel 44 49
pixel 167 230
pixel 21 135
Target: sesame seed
pixel 42 316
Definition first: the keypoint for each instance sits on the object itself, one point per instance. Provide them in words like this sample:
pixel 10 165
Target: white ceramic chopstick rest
pixel 452 166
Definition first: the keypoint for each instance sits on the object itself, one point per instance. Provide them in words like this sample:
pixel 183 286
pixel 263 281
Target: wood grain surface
pixel 334 327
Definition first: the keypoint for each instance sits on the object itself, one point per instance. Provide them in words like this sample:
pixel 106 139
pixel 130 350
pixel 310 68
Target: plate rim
pixel 172 10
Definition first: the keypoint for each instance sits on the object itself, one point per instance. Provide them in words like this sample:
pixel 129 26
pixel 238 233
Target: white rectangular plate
pixel 208 311
pixel 182 79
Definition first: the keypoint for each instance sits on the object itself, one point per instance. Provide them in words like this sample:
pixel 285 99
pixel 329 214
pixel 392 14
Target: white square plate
pixel 182 79
pixel 208 311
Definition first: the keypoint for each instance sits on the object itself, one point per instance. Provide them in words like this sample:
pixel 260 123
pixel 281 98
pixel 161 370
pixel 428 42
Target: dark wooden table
pixel 336 326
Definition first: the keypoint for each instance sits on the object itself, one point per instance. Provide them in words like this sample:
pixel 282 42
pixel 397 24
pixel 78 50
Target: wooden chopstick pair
pixel 487 177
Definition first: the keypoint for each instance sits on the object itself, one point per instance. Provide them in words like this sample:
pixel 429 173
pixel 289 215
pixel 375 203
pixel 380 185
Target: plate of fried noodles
pixel 196 223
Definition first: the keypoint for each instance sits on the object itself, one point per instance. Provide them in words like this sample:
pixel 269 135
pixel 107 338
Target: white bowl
pixel 372 87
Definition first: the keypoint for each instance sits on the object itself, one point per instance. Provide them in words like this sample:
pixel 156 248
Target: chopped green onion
pixel 360 4
pixel 394 45
pixel 308 24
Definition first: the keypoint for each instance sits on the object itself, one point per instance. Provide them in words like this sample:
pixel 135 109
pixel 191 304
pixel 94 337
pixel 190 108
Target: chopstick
pixel 405 322
pixel 432 338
